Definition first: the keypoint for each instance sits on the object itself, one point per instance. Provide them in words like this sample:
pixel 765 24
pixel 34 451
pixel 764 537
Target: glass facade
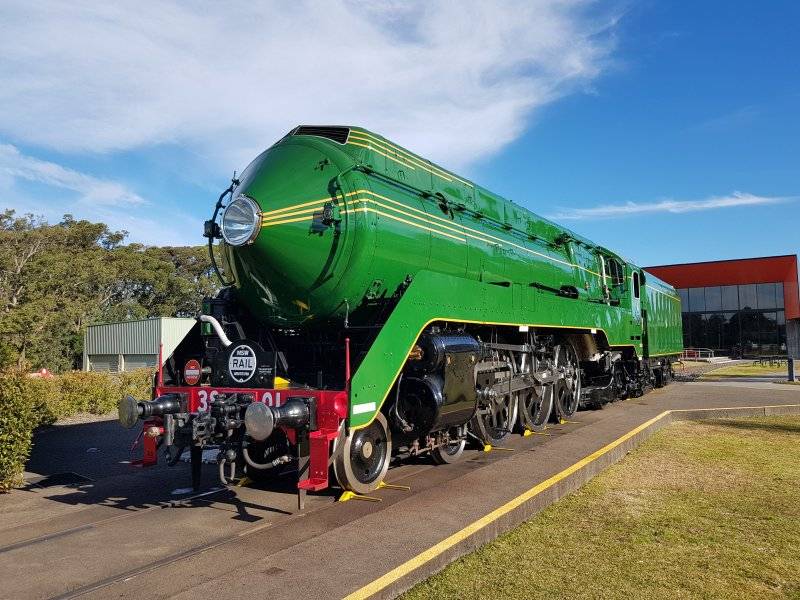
pixel 735 319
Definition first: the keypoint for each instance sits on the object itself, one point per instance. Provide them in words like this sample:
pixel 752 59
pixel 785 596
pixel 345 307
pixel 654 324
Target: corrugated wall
pixel 131 337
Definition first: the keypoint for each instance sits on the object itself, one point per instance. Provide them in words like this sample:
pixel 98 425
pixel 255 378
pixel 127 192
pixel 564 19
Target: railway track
pixel 79 562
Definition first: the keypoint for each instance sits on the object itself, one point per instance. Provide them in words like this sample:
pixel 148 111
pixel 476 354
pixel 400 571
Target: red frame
pixel 331 411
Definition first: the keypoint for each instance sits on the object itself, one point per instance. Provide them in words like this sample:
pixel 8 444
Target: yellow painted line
pixel 447 543
pixel 279 220
pixel 426 219
pixel 265 214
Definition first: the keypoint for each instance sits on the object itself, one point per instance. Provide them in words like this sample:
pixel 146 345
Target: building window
pixel 749 317
pixel 684 294
pixel 766 295
pixel 730 297
pixel 713 298
pixel 748 296
pixel 697 300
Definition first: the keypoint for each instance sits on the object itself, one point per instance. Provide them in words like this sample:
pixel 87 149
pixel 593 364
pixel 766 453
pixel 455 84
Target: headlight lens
pixel 241 221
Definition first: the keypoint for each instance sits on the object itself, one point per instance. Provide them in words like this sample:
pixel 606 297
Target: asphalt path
pixel 91 525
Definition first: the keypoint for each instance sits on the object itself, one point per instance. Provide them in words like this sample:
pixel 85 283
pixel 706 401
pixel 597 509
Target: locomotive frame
pixel 460 315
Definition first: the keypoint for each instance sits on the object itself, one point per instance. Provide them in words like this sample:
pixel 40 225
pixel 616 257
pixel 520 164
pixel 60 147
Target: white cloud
pixel 607 211
pixel 91 190
pixel 453 80
pixel 88 197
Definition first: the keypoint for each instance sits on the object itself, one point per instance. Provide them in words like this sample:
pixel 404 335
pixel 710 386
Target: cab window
pixel 615 272
pixel 635 284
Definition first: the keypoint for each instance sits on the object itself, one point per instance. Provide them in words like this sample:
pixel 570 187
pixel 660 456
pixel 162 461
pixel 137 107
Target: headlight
pixel 241 221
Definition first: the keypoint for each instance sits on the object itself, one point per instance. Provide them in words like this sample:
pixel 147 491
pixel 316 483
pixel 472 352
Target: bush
pixel 98 392
pixel 17 420
pixel 48 403
pixel 90 392
pixel 137 383
pixel 28 402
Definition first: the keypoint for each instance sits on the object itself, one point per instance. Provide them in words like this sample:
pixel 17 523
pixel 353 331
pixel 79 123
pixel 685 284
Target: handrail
pixel 689 353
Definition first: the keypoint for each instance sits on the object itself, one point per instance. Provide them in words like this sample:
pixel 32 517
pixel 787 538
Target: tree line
pixel 55 279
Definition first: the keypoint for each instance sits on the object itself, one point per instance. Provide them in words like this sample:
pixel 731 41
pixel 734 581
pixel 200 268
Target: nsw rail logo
pixel 242 363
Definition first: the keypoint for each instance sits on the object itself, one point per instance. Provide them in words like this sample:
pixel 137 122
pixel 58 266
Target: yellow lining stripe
pixel 452 320
pixel 481 233
pixel 663 292
pixel 388 216
pixel 461 535
pixel 371 148
pixel 425 220
pixel 400 150
pixel 417 161
pixel 266 214
pixel 294 213
pixel 271 218
pixel 285 221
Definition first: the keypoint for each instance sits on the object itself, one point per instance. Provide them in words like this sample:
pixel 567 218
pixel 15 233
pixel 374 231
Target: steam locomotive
pixel 377 305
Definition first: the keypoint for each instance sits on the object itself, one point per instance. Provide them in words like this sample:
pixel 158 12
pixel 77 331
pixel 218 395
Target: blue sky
pixel 666 131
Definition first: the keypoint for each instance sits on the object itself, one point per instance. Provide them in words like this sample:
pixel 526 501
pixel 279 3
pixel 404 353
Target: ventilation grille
pixel 337 134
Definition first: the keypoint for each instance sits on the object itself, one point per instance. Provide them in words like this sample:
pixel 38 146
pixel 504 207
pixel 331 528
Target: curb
pixel 529 503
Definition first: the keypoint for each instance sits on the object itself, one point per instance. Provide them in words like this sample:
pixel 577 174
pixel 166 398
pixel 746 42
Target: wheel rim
pixel 536 404
pixel 364 458
pixel 568 387
pixel 495 416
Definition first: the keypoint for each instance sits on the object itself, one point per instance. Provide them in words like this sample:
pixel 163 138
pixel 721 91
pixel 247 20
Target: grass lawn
pixel 747 370
pixel 701 510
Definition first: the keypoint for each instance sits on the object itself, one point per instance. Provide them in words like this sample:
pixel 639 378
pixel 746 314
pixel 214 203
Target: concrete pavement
pixel 123 534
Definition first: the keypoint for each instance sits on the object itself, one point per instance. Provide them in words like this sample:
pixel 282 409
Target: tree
pixel 57 279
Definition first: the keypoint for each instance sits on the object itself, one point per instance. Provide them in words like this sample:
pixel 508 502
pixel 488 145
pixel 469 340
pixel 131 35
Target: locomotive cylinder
pixel 439 390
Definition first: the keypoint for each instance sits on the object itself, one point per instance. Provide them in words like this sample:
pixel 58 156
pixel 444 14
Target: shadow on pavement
pixel 93 461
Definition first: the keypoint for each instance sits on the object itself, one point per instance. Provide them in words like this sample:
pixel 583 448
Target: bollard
pixel 792 374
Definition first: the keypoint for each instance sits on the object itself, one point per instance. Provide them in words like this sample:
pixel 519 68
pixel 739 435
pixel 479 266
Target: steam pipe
pixel 217 329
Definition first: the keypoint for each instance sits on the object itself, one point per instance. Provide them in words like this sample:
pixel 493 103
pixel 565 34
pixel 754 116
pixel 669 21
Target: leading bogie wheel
pixel 567 388
pixel 363 459
pixel 450 452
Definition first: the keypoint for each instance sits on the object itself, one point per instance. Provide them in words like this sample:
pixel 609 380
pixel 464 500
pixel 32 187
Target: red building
pixel 749 305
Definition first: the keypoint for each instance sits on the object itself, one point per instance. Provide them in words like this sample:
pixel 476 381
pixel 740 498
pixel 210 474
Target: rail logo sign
pixel 191 372
pixel 242 363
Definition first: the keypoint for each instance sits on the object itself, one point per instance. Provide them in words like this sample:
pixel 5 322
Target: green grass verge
pixel 701 510
pixel 746 370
